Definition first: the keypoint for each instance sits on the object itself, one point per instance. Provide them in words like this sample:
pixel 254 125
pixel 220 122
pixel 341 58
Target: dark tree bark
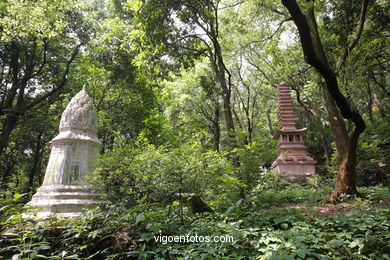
pixel 346 144
pixel 212 114
pixel 269 122
pixel 6 173
pixel 217 128
pixel 36 161
pixel 370 102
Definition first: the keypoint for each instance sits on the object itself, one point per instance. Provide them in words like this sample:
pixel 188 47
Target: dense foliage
pixel 268 225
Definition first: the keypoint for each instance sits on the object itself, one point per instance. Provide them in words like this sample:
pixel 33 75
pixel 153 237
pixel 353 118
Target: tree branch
pixel 313 58
pixel 232 5
pixel 379 84
pixel 355 37
pixel 60 86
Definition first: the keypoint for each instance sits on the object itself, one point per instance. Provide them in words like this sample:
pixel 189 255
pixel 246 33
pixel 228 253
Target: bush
pixel 254 158
pixel 150 173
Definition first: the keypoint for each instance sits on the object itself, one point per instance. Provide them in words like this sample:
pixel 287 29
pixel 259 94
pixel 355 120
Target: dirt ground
pixel 329 209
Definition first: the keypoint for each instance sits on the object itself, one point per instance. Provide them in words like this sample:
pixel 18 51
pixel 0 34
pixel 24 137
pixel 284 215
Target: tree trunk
pixel 320 128
pixel 339 130
pixel 318 124
pixel 9 125
pixel 7 171
pixel 217 128
pixel 370 103
pixel 345 180
pixel 11 118
pixel 220 72
pixel 36 162
pixel 18 88
pixel 346 145
pixel 269 121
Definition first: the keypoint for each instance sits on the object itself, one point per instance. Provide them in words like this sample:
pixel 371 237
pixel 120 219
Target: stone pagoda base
pixel 293 169
pixel 66 200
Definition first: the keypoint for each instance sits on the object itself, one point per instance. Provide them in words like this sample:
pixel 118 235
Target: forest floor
pixel 331 209
pixel 284 221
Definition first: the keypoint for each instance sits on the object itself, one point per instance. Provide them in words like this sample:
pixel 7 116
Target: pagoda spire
pixel 285 107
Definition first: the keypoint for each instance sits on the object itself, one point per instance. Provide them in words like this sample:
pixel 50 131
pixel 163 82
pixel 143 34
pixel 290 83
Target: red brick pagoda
pixel 293 162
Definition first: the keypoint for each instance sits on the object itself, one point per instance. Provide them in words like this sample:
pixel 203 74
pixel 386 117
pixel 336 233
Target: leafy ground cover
pixel 288 221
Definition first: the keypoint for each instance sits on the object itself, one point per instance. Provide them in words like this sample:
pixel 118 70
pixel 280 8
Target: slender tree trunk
pixel 318 124
pixel 36 162
pixel 370 103
pixel 227 110
pixel 269 122
pixel 208 22
pixel 340 133
pixel 10 120
pixel 6 174
pixel 217 129
pixel 324 144
pixel 240 126
pixel 224 81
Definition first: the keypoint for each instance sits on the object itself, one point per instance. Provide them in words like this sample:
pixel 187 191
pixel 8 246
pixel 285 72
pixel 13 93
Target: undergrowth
pixel 261 228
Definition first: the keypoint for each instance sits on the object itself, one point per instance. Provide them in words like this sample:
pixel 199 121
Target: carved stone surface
pixel 293 162
pixel 67 189
pixel 80 113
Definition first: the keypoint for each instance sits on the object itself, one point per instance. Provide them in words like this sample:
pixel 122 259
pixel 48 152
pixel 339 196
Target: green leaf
pixel 238 203
pixel 284 226
pixel 301 254
pixel 139 217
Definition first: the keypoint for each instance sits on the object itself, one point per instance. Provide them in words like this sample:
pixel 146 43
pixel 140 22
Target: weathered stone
pixel 293 162
pixel 68 187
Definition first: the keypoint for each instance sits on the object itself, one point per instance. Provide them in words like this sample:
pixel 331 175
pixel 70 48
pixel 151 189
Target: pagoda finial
pixel 80 113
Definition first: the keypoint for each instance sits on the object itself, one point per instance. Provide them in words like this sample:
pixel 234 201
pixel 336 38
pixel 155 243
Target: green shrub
pixel 157 174
pixel 253 157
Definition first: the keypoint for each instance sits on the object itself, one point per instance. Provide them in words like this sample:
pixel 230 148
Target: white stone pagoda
pixel 68 188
